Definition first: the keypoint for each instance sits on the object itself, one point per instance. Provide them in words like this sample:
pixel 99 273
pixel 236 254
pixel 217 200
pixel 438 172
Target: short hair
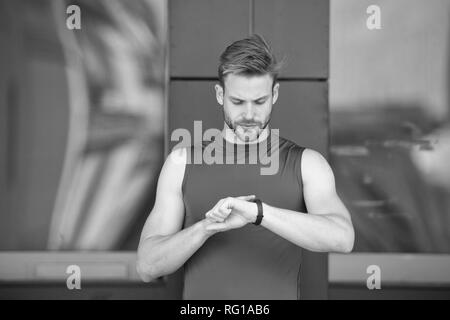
pixel 249 56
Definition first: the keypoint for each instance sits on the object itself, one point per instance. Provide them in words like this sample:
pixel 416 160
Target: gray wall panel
pixel 199 29
pixel 299 31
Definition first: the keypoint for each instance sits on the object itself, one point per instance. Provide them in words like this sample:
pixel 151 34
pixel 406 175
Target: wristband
pixel 260 215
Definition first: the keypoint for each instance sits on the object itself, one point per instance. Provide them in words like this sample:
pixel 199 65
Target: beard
pixel 246 131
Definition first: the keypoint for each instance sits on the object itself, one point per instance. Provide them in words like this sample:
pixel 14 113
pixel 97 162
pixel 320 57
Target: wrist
pixel 266 211
pixel 257 212
pixel 203 224
pixel 253 213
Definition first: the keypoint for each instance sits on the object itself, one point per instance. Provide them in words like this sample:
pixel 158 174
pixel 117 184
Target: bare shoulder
pixel 174 166
pixel 313 157
pixel 177 156
pixel 315 166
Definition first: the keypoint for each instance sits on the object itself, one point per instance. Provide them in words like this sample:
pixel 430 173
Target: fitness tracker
pixel 260 215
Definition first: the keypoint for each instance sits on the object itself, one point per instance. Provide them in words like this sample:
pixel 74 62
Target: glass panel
pixel 390 129
pixel 85 101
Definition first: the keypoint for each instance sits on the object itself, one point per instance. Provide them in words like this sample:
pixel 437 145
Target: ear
pixel 276 87
pixel 219 94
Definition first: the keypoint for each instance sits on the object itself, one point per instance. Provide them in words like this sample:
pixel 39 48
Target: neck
pixel 229 135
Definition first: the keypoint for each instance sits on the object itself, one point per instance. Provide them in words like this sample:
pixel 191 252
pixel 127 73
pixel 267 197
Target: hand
pixel 231 213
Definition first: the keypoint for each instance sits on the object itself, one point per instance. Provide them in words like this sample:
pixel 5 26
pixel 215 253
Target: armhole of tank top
pixel 299 272
pixel 300 178
pixel 300 173
pixel 186 168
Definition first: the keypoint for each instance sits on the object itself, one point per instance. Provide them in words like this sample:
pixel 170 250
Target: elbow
pixel 347 247
pixel 147 272
pixel 347 241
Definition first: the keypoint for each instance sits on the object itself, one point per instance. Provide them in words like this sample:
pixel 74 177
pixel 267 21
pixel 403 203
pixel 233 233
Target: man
pixel 239 233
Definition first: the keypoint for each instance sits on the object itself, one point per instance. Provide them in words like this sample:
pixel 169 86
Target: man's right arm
pixel 164 246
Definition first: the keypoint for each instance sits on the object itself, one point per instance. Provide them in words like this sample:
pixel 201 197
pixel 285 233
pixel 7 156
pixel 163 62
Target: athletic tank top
pixel 251 262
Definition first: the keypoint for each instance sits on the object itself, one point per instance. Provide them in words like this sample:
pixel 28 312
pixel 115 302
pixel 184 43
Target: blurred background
pixel 389 121
pixel 82 122
pixel 86 117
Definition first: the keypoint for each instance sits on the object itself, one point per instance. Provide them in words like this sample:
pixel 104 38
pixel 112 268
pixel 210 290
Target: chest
pixel 205 185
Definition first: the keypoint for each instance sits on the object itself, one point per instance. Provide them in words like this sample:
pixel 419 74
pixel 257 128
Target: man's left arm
pixel 327 226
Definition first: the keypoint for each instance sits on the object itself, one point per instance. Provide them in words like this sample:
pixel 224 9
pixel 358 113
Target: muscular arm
pixel 327 226
pixel 163 246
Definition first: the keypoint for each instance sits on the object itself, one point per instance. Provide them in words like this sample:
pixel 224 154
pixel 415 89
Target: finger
pixel 218 212
pixel 215 216
pixel 249 197
pixel 224 212
pixel 221 210
pixel 210 215
pixel 217 205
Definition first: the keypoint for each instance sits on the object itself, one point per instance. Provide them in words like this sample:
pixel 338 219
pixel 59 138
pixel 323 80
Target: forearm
pixel 162 255
pixel 320 233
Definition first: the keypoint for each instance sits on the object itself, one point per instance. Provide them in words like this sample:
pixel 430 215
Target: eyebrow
pixel 260 98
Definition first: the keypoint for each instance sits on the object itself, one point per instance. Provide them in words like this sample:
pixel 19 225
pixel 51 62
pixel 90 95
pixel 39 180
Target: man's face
pixel 247 103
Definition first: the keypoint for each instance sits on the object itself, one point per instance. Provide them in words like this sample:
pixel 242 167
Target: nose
pixel 248 115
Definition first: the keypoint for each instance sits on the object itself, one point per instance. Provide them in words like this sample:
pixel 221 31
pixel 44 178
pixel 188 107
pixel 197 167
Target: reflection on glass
pixel 390 129
pixel 112 79
pixel 122 58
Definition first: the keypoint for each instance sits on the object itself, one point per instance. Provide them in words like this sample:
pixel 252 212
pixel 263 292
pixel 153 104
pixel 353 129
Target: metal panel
pixel 301 113
pixel 200 31
pixel 298 30
pixel 190 101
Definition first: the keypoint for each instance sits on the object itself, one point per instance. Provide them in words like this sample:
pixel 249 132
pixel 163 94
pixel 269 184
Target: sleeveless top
pixel 251 262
